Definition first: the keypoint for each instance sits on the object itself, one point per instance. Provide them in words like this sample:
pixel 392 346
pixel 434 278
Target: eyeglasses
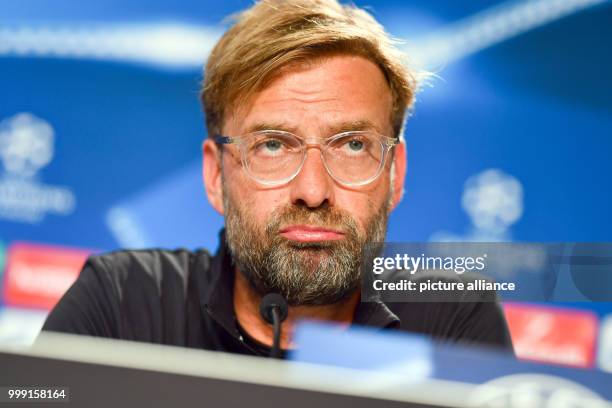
pixel 274 157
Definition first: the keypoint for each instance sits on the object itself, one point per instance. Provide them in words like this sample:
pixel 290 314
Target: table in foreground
pixel 110 373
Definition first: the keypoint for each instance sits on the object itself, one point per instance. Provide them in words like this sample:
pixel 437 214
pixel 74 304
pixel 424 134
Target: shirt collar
pixel 217 296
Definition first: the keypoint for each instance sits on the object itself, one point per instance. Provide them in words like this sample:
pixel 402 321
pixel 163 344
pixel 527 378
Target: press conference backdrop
pixel 101 128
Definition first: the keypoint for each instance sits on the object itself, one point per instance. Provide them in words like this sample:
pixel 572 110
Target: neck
pixel 246 306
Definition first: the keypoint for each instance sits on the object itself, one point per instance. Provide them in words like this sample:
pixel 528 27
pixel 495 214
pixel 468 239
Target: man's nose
pixel 313 186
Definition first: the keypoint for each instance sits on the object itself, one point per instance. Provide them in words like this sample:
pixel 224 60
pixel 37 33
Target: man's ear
pixel 211 172
pixel 399 176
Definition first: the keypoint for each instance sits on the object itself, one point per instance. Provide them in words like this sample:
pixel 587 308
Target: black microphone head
pixel 269 302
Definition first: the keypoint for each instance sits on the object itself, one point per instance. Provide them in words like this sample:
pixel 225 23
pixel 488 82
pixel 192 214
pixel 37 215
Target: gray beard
pixel 305 274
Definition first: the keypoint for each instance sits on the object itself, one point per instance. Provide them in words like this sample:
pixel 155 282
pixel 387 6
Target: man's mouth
pixel 306 233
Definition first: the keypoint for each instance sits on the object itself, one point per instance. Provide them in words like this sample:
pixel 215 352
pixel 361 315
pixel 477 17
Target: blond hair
pixel 275 33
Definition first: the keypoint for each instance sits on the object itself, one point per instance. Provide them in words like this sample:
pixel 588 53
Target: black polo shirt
pixel 185 298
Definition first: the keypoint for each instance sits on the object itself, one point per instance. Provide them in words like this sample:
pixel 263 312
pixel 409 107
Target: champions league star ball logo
pixel 493 200
pixel 26 144
pixel 534 391
pixel 26 147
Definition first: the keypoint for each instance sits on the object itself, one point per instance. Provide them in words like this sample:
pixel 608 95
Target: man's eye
pixel 355 145
pixel 269 147
pixel 272 145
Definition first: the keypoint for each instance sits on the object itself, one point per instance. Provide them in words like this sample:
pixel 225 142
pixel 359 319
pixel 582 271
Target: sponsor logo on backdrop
pixel 38 275
pixel 26 147
pixel 551 335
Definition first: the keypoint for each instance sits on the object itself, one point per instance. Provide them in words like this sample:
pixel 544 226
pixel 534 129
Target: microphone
pixel 273 309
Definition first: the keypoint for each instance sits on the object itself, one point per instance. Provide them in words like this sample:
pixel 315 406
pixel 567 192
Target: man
pixel 305 102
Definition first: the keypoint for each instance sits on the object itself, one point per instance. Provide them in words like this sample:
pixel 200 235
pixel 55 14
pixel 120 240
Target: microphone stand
pixel 274 309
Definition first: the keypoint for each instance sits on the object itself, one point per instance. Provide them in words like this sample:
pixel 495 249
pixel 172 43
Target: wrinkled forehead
pixel 326 96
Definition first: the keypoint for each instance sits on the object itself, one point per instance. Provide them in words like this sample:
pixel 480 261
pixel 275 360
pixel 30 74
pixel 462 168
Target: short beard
pixel 304 273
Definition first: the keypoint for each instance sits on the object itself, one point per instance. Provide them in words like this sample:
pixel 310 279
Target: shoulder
pixel 127 294
pixel 147 267
pixel 466 315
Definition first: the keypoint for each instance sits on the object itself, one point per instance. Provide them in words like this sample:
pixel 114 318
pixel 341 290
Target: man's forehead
pixel 331 95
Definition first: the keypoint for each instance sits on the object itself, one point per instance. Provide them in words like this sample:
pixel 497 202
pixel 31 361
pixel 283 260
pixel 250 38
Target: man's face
pixel 304 238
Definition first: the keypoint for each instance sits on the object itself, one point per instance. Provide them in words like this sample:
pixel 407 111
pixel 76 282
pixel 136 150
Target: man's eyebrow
pixel 259 126
pixel 353 125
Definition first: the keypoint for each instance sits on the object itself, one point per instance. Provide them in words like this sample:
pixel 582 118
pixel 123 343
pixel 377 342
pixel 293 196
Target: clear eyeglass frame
pixel 386 144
